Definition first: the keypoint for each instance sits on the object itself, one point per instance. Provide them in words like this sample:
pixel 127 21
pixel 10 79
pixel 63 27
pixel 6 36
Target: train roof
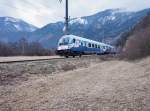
pixel 84 39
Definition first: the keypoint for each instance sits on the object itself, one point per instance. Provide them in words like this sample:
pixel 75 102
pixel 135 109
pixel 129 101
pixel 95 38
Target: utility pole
pixel 66 28
pixel 103 40
pixel 67 20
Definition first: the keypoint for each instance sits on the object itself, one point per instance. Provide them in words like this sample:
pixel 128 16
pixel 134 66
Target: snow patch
pixel 10 19
pixel 31 28
pixel 111 18
pixel 18 27
pixel 79 20
pixel 107 18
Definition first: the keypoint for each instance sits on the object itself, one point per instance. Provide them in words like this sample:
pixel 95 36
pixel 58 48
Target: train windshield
pixel 66 41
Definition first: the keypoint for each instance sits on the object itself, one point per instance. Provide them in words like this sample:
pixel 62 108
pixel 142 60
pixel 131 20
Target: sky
pixel 42 12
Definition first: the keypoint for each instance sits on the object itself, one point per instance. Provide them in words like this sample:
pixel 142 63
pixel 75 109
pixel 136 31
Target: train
pixel 71 45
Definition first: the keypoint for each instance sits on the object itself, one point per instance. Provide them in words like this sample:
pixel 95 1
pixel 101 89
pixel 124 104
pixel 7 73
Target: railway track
pixel 4 60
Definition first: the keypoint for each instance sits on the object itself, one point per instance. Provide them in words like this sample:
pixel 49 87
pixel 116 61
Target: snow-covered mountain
pixel 108 25
pixel 78 21
pixel 9 24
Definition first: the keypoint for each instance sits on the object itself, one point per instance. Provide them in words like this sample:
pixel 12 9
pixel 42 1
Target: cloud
pixel 42 12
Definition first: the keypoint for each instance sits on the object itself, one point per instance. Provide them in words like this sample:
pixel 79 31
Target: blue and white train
pixel 70 45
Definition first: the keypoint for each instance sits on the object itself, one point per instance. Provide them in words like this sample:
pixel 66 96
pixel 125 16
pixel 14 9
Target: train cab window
pixel 89 45
pixel 99 46
pixel 64 41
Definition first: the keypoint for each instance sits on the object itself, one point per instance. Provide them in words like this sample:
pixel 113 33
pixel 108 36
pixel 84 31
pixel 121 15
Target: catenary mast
pixel 66 28
pixel 67 19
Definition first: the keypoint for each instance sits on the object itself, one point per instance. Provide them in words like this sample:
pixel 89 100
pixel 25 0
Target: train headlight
pixel 63 48
pixel 71 46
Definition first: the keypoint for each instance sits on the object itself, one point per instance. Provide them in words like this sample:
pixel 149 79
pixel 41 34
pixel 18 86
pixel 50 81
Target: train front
pixel 64 46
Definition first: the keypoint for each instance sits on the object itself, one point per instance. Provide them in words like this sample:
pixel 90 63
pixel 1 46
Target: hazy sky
pixel 42 12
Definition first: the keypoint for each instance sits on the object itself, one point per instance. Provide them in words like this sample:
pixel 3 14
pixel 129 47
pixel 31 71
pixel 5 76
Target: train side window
pixel 89 45
pixel 82 44
pixel 93 45
pixel 103 47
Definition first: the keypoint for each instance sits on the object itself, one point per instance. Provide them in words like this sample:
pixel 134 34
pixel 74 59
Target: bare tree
pixel 23 47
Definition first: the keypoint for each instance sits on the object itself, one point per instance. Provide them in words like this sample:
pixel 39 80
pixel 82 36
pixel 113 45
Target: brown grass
pixel 16 73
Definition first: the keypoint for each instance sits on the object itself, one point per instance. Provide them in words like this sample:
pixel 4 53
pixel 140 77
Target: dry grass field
pixel 86 84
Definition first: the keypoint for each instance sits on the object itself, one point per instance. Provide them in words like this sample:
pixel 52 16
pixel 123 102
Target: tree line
pixel 24 48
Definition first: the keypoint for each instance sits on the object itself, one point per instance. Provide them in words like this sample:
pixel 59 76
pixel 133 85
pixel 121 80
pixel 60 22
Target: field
pixel 80 84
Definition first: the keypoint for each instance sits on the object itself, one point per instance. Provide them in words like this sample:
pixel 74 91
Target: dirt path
pixel 107 86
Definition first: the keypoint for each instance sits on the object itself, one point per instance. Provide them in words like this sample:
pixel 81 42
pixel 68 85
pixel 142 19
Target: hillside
pixel 12 29
pixel 137 41
pixel 106 86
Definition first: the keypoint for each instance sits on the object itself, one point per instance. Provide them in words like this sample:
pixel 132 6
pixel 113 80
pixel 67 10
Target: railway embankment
pixel 76 84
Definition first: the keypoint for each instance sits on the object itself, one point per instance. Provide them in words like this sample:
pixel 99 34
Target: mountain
pixel 9 24
pixel 11 29
pixel 106 25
